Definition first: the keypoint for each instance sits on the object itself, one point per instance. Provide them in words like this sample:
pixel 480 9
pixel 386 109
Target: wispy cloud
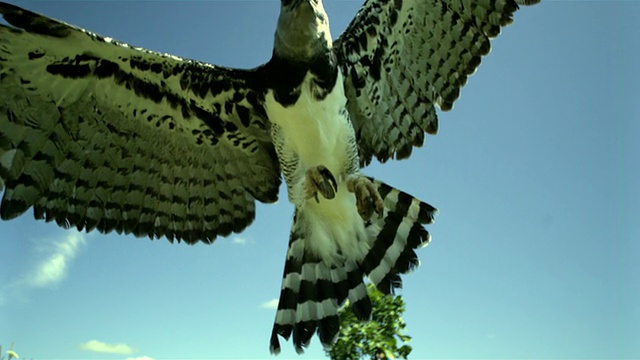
pixel 271 304
pixel 140 358
pixel 53 268
pixel 52 259
pixel 239 240
pixel 101 347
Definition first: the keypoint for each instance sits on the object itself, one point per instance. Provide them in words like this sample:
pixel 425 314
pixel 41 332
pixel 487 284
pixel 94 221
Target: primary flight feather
pixel 98 134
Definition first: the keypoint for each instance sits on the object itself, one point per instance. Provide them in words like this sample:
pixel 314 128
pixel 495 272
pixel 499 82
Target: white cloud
pixel 53 268
pixel 99 346
pixel 239 240
pixel 140 358
pixel 271 304
pixel 52 259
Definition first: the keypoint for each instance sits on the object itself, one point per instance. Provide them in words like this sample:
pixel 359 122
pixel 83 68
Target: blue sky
pixel 533 252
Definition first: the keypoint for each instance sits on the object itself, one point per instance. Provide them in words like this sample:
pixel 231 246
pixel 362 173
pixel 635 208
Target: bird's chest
pixel 317 129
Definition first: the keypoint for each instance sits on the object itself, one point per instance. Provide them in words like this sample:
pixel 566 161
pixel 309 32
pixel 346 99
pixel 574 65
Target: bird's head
pixel 303 29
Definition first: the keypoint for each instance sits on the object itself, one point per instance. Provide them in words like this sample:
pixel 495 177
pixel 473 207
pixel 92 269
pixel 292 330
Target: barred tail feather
pixel 313 289
pixel 312 292
pixel 395 236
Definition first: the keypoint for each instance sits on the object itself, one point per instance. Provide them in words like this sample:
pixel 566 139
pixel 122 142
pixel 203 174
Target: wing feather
pixel 98 134
pixel 401 58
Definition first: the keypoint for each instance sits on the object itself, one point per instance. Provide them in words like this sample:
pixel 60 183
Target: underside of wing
pixel 401 58
pixel 98 134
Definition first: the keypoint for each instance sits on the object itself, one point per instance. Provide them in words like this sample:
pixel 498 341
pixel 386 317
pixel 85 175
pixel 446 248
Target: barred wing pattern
pixel 401 58
pixel 95 133
pixel 98 134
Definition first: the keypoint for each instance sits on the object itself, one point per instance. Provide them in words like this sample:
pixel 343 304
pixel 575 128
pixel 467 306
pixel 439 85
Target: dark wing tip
pixel 11 209
pixel 432 128
pixel 32 22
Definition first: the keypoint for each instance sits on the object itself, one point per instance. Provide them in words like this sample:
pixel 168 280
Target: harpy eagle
pixel 98 134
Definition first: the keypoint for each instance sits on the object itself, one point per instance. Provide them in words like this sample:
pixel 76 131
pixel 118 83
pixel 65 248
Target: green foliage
pixel 380 338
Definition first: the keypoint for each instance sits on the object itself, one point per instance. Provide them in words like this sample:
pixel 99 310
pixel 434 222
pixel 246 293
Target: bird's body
pixel 317 150
pixel 318 133
pixel 100 135
pixel 315 130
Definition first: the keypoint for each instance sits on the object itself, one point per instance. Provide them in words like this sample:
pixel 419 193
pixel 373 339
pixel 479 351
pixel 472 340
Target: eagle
pixel 101 135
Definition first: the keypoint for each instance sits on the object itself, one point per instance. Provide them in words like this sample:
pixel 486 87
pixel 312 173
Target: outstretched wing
pixel 95 133
pixel 402 57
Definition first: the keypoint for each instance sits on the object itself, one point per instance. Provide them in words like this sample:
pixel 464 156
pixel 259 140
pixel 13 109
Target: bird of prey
pixel 99 134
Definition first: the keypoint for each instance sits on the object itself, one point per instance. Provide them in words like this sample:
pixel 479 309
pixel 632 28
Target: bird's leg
pixel 368 198
pixel 320 179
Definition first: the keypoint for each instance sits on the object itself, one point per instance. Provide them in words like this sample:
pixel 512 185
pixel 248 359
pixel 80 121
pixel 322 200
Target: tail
pixel 313 290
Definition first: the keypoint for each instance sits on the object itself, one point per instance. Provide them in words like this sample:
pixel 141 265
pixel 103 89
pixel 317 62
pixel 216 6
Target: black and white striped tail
pixel 313 291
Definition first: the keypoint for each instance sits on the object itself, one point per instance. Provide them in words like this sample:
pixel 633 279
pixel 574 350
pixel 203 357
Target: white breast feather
pixel 319 133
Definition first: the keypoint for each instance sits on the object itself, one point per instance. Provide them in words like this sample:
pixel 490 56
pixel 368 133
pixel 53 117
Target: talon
pixel 329 176
pixel 326 190
pixel 368 199
pixel 366 208
pixel 320 179
pixel 327 184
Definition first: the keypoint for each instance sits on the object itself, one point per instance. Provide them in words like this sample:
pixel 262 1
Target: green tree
pixel 380 338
